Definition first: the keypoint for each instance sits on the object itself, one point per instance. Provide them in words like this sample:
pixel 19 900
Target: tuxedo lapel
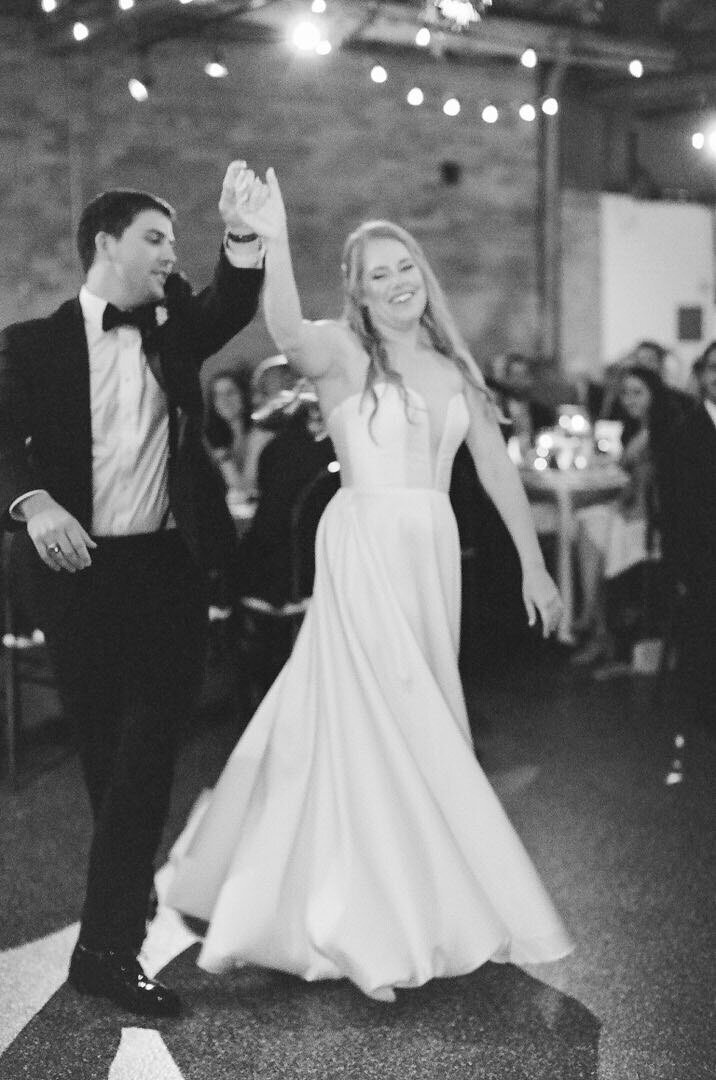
pixel 70 361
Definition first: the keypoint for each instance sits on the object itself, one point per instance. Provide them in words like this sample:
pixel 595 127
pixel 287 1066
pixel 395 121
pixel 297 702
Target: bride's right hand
pixel 260 205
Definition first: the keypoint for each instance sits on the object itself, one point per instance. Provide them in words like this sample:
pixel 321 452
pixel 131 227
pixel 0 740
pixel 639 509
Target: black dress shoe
pixel 118 975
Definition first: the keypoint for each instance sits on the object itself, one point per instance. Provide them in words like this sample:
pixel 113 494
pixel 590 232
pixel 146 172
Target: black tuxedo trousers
pixel 127 640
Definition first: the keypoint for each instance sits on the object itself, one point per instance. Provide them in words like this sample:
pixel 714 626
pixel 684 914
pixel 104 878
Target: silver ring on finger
pixel 55 549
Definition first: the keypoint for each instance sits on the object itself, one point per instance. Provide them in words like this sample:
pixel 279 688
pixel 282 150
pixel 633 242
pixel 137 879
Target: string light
pixel 125 5
pixel 451 107
pixel 139 89
pixel 490 114
pixel 318 7
pixel 698 140
pixel 528 112
pixel 529 58
pixel 80 31
pixel 378 74
pixel 415 96
pixel 48 6
pixel 636 69
pixel 550 106
pixel 422 38
pixel 216 68
pixel 305 37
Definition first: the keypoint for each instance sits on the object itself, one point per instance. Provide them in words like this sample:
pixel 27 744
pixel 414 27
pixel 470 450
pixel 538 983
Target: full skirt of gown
pixel 352 832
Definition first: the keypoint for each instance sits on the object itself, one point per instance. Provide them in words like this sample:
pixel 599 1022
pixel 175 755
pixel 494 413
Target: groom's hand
pixel 240 189
pixel 59 539
pixel 249 204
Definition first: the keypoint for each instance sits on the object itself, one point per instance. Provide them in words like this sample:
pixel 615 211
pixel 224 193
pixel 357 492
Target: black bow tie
pixel 143 318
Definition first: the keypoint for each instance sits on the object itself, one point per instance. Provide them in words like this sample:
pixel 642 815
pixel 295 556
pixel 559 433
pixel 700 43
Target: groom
pixel 103 478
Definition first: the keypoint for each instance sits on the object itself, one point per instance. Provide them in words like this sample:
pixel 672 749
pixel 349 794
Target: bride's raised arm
pixel 311 347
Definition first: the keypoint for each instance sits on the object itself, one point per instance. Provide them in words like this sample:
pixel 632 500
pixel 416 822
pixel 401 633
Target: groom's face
pixel 141 258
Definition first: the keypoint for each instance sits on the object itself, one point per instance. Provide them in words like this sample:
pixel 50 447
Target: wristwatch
pixel 240 238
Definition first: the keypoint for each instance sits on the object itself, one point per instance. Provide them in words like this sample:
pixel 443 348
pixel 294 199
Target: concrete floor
pixel 586 772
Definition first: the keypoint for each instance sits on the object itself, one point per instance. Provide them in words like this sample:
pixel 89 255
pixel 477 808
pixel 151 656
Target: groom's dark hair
pixel 112 212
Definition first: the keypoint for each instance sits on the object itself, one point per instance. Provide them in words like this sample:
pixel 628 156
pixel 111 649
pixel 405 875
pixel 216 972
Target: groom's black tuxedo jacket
pixel 45 421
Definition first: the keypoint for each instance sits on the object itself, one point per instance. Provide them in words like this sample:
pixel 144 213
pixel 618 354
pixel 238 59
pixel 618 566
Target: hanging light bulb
pixel 378 74
pixel 216 68
pixel 451 107
pixel 80 31
pixel 528 112
pixel 48 6
pixel 415 96
pixel 529 58
pixel 305 37
pixel 636 69
pixel 139 89
pixel 125 5
pixel 318 7
pixel 490 114
pixel 550 106
pixel 422 38
pixel 698 140
pixel 323 47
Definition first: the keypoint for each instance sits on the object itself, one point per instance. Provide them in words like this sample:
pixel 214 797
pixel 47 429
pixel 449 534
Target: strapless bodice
pixel 397 448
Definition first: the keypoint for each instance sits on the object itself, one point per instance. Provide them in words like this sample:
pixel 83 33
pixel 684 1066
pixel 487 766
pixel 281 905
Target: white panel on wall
pixel 655 258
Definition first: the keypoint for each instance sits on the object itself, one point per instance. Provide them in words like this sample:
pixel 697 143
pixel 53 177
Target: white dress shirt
pixel 130 430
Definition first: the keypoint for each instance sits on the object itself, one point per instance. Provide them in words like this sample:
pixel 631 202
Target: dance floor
pixel 585 771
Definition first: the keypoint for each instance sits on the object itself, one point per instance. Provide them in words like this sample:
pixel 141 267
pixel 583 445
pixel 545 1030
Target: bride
pixel 352 832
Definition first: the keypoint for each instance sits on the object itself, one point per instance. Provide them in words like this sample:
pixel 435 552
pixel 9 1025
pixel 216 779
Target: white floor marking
pixel 143 1055
pixel 30 975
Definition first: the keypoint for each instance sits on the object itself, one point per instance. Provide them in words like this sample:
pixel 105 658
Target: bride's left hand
pixel 541 596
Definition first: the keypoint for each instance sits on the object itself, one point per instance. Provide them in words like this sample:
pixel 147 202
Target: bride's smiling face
pixel 393 284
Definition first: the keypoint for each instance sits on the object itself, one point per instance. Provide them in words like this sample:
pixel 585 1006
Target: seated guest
pixel 518 401
pixel 613 537
pixel 653 357
pixel 689 497
pixel 234 443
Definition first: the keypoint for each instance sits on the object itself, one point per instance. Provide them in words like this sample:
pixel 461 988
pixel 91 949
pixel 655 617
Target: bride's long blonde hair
pixel 436 319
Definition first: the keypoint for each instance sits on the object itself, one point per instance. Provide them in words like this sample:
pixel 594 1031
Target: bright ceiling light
pixel 216 68
pixel 125 5
pixel 529 58
pixel 550 106
pixel 415 96
pixel 490 114
pixel 451 107
pixel 636 68
pixel 698 140
pixel 318 7
pixel 422 38
pixel 80 31
pixel 305 37
pixel 48 6
pixel 139 89
pixel 378 74
pixel 323 47
pixel 527 112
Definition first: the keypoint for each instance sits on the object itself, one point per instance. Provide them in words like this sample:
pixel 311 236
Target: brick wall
pixel 345 149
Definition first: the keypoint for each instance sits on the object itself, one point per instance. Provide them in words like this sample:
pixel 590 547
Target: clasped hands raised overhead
pixel 248 202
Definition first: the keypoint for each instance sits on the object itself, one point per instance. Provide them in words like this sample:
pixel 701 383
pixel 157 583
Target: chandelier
pixel 459 14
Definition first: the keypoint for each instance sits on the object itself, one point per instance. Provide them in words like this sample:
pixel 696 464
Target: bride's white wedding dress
pixel 352 832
